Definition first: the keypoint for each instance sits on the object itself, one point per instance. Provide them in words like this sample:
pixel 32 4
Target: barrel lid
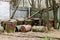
pixel 4 21
pixel 51 19
pixel 12 20
pixel 20 19
pixel 35 18
pixel 28 20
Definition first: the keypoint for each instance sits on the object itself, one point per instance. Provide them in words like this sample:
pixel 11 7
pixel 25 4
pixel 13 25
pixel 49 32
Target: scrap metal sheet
pixel 4 10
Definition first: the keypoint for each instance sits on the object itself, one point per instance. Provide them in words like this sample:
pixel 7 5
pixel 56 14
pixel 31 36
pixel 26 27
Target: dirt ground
pixel 17 36
pixel 3 37
pixel 30 35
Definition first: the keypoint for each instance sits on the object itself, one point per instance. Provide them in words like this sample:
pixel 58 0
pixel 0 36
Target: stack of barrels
pixel 25 25
pixel 20 24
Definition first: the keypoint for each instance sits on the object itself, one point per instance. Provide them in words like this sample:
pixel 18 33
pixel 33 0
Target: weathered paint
pixel 25 28
pixel 10 27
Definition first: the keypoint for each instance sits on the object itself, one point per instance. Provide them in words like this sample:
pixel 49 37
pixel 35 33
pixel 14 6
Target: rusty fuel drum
pixel 20 21
pixel 28 22
pixel 3 24
pixel 36 21
pixel 51 22
pixel 25 28
pixel 10 26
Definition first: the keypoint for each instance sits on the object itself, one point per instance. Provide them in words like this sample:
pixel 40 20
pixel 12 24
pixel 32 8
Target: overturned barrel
pixel 25 28
pixel 18 28
pixel 10 25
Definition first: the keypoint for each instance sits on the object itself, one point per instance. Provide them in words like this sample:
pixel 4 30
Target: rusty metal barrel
pixel 20 21
pixel 25 28
pixel 10 26
pixel 3 23
pixel 36 21
pixel 28 22
pixel 51 22
pixel 18 28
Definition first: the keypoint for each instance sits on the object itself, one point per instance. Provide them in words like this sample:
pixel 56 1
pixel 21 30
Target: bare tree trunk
pixel 59 10
pixel 47 15
pixel 54 13
pixel 39 4
pixel 59 26
pixel 33 3
pixel 50 3
pixel 17 5
pixel 32 6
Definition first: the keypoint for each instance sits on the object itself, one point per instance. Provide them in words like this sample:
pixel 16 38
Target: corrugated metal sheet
pixel 21 12
pixel 4 10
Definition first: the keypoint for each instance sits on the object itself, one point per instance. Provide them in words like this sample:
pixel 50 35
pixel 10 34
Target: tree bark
pixel 33 3
pixel 50 3
pixel 47 15
pixel 17 5
pixel 59 10
pixel 54 13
